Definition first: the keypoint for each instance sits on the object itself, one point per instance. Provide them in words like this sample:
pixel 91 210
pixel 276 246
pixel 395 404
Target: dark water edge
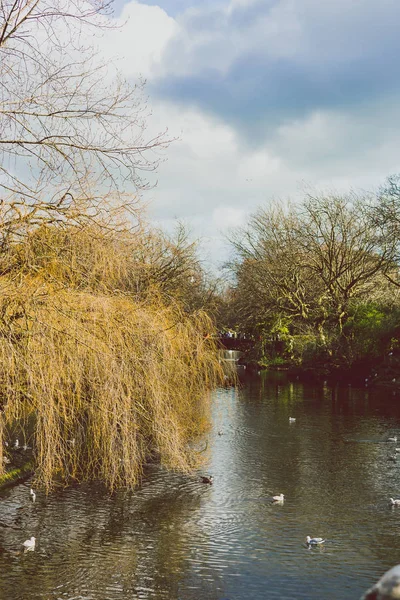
pixel 176 538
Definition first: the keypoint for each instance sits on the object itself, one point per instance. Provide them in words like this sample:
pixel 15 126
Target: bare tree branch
pixel 64 118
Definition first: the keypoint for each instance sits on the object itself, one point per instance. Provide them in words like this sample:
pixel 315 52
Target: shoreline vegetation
pixel 16 475
pixel 107 350
pixel 108 344
pixel 105 360
pixel 316 286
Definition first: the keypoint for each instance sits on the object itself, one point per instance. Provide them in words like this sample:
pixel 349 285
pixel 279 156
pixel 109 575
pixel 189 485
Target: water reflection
pixel 176 538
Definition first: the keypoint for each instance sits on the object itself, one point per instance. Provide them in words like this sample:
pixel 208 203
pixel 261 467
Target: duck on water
pixel 29 545
pixel 314 541
pixel 207 479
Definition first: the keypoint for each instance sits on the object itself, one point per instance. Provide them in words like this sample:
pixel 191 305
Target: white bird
pixel 279 498
pixel 292 420
pixel 314 541
pixel 394 502
pixel 16 445
pixel 33 495
pixel 392 439
pixel 29 544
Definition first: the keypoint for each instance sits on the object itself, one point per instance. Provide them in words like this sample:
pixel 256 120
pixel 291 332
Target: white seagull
pixel 279 498
pixel 33 495
pixel 392 439
pixel 29 544
pixel 292 420
pixel 314 541
pixel 394 502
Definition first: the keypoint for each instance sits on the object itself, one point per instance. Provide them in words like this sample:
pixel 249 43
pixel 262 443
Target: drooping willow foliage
pixel 107 367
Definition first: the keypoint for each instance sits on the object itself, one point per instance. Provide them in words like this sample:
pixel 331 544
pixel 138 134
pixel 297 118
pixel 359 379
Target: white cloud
pixel 213 181
pixel 225 217
pixel 215 175
pixel 140 39
pixel 212 178
pixel 360 144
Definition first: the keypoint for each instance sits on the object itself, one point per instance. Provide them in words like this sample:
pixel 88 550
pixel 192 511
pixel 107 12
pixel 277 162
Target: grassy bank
pixel 15 475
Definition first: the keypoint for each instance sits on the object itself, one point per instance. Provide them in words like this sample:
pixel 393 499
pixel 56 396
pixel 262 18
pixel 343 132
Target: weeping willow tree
pixel 108 371
pixel 100 348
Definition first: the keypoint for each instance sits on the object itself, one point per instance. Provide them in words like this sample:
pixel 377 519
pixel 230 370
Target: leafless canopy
pixel 309 263
pixel 66 118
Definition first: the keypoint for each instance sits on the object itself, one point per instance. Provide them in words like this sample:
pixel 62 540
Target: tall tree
pixel 308 263
pixel 385 214
pixel 66 118
pixel 273 278
pixel 343 249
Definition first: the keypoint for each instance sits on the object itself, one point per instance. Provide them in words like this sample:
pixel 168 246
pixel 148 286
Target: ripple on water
pixel 176 538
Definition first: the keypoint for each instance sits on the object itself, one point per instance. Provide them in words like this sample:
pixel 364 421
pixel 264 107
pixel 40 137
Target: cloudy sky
pixel 265 96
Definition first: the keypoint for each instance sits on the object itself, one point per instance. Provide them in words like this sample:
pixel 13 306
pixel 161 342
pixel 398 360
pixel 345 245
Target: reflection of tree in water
pixel 310 460
pixel 177 538
pixel 131 543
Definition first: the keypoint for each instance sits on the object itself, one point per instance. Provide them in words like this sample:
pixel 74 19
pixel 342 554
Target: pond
pixel 177 538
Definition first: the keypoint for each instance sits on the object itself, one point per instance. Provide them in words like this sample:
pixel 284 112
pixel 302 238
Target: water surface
pixel 176 538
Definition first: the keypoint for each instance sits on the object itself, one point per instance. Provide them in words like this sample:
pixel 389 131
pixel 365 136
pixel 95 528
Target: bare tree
pixel 385 214
pixel 170 263
pixel 273 278
pixel 343 249
pixel 66 117
pixel 306 264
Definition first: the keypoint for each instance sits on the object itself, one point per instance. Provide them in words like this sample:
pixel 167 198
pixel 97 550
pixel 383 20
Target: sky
pixel 265 97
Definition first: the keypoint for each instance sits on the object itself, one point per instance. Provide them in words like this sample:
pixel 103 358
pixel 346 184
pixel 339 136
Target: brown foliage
pixel 109 370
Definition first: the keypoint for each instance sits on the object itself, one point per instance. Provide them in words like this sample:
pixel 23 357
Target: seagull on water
pixel 33 495
pixel 278 498
pixel 314 541
pixel 29 544
pixel 394 502
pixel 393 439
pixel 292 420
